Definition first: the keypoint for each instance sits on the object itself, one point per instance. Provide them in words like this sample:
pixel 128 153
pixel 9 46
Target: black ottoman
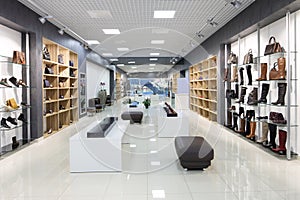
pixel 133 116
pixel 193 152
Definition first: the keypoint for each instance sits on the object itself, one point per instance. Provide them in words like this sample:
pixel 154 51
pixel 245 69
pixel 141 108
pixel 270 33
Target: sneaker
pixel 4 82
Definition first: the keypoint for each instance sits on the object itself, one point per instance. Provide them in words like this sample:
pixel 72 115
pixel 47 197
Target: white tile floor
pixel 151 170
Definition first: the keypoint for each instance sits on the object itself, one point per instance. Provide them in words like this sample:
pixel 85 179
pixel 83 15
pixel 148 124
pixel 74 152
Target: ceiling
pixel 134 19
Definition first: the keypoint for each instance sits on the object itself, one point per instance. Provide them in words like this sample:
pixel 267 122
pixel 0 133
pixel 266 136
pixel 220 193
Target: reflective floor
pixel 150 168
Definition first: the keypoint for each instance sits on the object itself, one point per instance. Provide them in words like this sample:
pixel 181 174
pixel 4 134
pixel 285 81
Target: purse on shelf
pixel 12 103
pixel 232 58
pixel 248 58
pixel 277 118
pixel 230 94
pixel 48 70
pixel 71 63
pixel 60 59
pixel 46 83
pixel 46 54
pixel 19 57
pixel 274 73
pixel 272 47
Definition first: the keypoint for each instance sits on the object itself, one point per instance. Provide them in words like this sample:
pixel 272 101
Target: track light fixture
pixel 212 22
pixel 237 4
pixel 200 35
pixel 61 31
pixel 43 19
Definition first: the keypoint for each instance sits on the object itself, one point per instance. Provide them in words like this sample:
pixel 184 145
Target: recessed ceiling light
pixel 90 42
pixel 153 59
pixel 132 145
pixel 107 54
pixel 114 59
pixel 111 31
pixel 157 41
pixel 122 49
pixel 131 62
pixel 153 151
pixel 120 65
pixel 164 13
pixel 158 194
pixel 152 65
pixel 154 54
pixel 155 163
pixel 151 68
pixel 152 140
pixel 133 67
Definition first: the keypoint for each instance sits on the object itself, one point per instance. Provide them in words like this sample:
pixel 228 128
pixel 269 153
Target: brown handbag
pixel 232 58
pixel 278 118
pixel 274 74
pixel 19 57
pixel 12 103
pixel 248 58
pixel 272 47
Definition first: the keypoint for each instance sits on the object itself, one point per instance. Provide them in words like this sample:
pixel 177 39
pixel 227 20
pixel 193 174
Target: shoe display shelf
pixel 60 95
pixel 119 86
pixel 175 76
pixel 255 97
pixel 203 88
pixel 14 109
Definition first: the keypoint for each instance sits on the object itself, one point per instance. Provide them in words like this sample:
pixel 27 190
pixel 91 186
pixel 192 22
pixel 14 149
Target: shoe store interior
pixel 149 99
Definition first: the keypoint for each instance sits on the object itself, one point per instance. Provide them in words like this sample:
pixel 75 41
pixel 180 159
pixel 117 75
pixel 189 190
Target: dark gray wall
pixel 17 16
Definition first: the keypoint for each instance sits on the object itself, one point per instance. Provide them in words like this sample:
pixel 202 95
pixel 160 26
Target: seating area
pixel 170 111
pixel 102 129
pixel 133 116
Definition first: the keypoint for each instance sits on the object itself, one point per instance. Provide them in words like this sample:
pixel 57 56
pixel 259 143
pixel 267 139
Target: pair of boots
pixel 249 74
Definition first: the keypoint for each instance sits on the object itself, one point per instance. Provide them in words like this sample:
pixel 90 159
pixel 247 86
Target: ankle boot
pixel 229 119
pixel 264 93
pixel 249 74
pixel 242 126
pixel 281 68
pixel 252 98
pixel 235 119
pixel 15 143
pixel 3 123
pixel 243 93
pixel 263 72
pixel 241 112
pixel 225 75
pixel 252 130
pixel 234 74
pixel 241 76
pixel 282 140
pixel 281 94
pixel 265 130
pixel 273 132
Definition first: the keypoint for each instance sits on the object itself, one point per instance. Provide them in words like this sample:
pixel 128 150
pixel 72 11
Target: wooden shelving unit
pixel 118 86
pixel 60 100
pixel 203 88
pixel 174 82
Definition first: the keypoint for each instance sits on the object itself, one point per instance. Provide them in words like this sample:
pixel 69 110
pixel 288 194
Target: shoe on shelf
pixel 13 80
pixel 61 107
pixel 61 96
pixel 49 131
pixel 4 124
pixel 25 104
pixel 4 82
pixel 15 143
pixel 21 82
pixel 12 120
pixel 22 118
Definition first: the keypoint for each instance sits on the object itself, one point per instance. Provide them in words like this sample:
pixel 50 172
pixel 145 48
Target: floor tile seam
pixel 67 187
pixel 187 185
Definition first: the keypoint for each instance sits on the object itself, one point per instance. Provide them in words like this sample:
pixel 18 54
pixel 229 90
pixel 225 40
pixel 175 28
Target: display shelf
pixel 175 76
pixel 64 80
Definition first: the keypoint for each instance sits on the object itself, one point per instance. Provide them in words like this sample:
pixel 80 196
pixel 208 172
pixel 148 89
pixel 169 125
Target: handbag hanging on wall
pixel 19 57
pixel 46 54
pixel 248 58
pixel 272 47
pixel 232 59
pixel 274 72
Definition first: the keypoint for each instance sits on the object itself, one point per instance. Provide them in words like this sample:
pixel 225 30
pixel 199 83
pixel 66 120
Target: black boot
pixel 15 143
pixel 248 68
pixel 243 93
pixel 281 94
pixel 273 133
pixel 252 98
pixel 22 118
pixel 264 93
pixel 241 111
pixel 3 123
pixel 242 76
pixel 235 120
pixel 236 91
pixel 229 119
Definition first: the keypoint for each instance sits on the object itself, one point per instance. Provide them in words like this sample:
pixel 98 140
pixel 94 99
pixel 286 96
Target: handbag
pixel 48 70
pixel 71 63
pixel 46 54
pixel 12 103
pixel 272 47
pixel 232 58
pixel 278 118
pixel 248 58
pixel 274 74
pixel 230 94
pixel 60 59
pixel 46 83
pixel 19 57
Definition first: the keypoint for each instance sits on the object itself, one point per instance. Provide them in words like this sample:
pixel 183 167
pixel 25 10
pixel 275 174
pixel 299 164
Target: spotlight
pixel 237 4
pixel 200 35
pixel 43 19
pixel 212 22
pixel 61 31
pixel 86 47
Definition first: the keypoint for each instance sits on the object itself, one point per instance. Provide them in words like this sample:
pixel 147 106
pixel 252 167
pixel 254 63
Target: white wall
pixel 94 75
pixel 10 40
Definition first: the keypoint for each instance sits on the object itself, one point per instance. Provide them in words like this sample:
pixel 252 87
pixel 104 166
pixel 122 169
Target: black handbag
pixel 248 58
pixel 60 59
pixel 48 70
pixel 46 54
pixel 46 83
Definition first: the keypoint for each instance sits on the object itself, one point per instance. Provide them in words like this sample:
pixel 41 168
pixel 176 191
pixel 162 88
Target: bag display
pixel 278 118
pixel 19 57
pixel 12 103
pixel 232 59
pixel 273 74
pixel 60 59
pixel 48 70
pixel 248 58
pixel 272 47
pixel 230 94
pixel 46 83
pixel 46 54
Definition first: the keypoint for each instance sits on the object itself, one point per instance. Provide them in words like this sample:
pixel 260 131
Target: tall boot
pixel 263 72
pixel 264 93
pixel 282 140
pixel 281 94
pixel 243 93
pixel 241 112
pixel 235 119
pixel 236 91
pixel 242 126
pixel 249 74
pixel 241 75
pixel 15 143
pixel 234 77
pixel 281 68
pixel 248 118
pixel 225 75
pixel 265 130
pixel 252 130
pixel 252 98
pixel 273 132
pixel 229 119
